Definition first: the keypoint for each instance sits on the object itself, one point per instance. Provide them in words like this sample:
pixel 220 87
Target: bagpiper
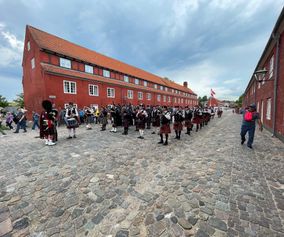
pixel 48 124
pixel 165 125
pixel 141 120
pixel 156 119
pixel 187 120
pixel 178 119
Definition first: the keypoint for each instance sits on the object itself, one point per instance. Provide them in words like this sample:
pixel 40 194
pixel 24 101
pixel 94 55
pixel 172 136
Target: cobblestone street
pixel 105 184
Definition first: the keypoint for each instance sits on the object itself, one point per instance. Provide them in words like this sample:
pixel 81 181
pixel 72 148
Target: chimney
pixel 185 84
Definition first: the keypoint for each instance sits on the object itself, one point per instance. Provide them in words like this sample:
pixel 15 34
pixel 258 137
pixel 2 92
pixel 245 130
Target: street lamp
pixel 261 72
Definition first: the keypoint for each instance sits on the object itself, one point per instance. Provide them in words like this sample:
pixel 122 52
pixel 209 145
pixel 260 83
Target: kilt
pixel 140 124
pixel 178 126
pixel 165 129
pixel 72 123
pixel 187 123
pixel 196 120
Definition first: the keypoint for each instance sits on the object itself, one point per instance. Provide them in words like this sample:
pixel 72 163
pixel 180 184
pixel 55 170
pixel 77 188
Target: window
pixel 65 63
pixel 161 88
pixel 169 99
pixel 271 66
pixel 136 81
pixel 165 98
pixel 89 69
pixel 93 90
pixel 155 86
pixel 173 91
pixel 166 88
pixel 268 109
pixel 148 96
pixel 106 73
pixel 145 83
pixel 110 93
pixel 69 87
pixel 126 78
pixel 29 46
pixel 129 94
pixel 181 100
pixel 175 99
pixel 159 98
pixel 33 63
pixel 140 95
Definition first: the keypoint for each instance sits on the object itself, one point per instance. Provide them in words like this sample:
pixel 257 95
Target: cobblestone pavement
pixel 105 184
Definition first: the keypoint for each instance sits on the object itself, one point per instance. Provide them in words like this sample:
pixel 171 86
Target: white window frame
pixel 130 94
pixel 66 63
pixel 89 69
pixel 33 63
pixel 155 86
pixel 161 88
pixel 69 89
pixel 159 98
pixel 148 96
pixel 268 109
pixel 140 95
pixel 106 73
pixel 181 100
pixel 169 99
pixel 271 67
pixel 136 81
pixel 92 90
pixel 126 78
pixel 164 98
pixel 29 45
pixel 175 99
pixel 110 92
pixel 145 83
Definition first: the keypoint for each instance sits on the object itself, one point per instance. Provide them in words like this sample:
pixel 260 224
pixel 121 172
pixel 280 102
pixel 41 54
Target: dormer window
pixel 89 69
pixel 65 63
pixel 106 73
pixel 126 78
pixel 155 86
pixel 145 83
pixel 136 81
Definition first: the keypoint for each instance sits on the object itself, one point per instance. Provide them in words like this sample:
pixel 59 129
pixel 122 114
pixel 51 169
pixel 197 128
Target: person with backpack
pixel 250 117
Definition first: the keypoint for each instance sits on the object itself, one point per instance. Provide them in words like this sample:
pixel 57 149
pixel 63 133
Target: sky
pixel 208 43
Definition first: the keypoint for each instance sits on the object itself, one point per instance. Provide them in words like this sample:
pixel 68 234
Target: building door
pixel 261 115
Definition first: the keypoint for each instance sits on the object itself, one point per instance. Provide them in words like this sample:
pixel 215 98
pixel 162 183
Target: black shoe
pixel 176 137
pixel 250 147
pixel 16 132
pixel 74 136
pixel 243 141
pixel 69 137
pixel 153 133
pixel 139 137
pixel 160 142
pixel 165 144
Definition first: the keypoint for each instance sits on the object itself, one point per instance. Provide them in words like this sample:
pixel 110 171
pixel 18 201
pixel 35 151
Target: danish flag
pixel 212 93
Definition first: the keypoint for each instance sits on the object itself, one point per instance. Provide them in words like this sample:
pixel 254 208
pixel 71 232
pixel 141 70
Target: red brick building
pixel 213 102
pixel 267 90
pixel 56 69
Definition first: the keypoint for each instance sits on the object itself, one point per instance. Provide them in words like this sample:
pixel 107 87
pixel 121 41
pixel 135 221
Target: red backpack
pixel 248 116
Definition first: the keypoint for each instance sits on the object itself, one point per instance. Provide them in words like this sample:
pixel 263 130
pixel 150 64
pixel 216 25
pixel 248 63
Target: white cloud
pixel 11 50
pixel 10 87
pixel 8 56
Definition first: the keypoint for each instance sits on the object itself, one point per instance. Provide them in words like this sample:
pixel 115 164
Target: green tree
pixel 20 100
pixel 3 101
pixel 239 101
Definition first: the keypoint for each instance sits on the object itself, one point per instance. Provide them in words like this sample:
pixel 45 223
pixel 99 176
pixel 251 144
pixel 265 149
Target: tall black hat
pixel 47 105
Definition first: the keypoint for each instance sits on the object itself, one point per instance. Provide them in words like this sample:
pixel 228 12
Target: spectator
pixel 9 120
pixel 21 117
pixel 35 120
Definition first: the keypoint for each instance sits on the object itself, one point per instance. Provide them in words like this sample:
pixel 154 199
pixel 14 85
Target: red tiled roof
pixel 213 101
pixel 64 47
